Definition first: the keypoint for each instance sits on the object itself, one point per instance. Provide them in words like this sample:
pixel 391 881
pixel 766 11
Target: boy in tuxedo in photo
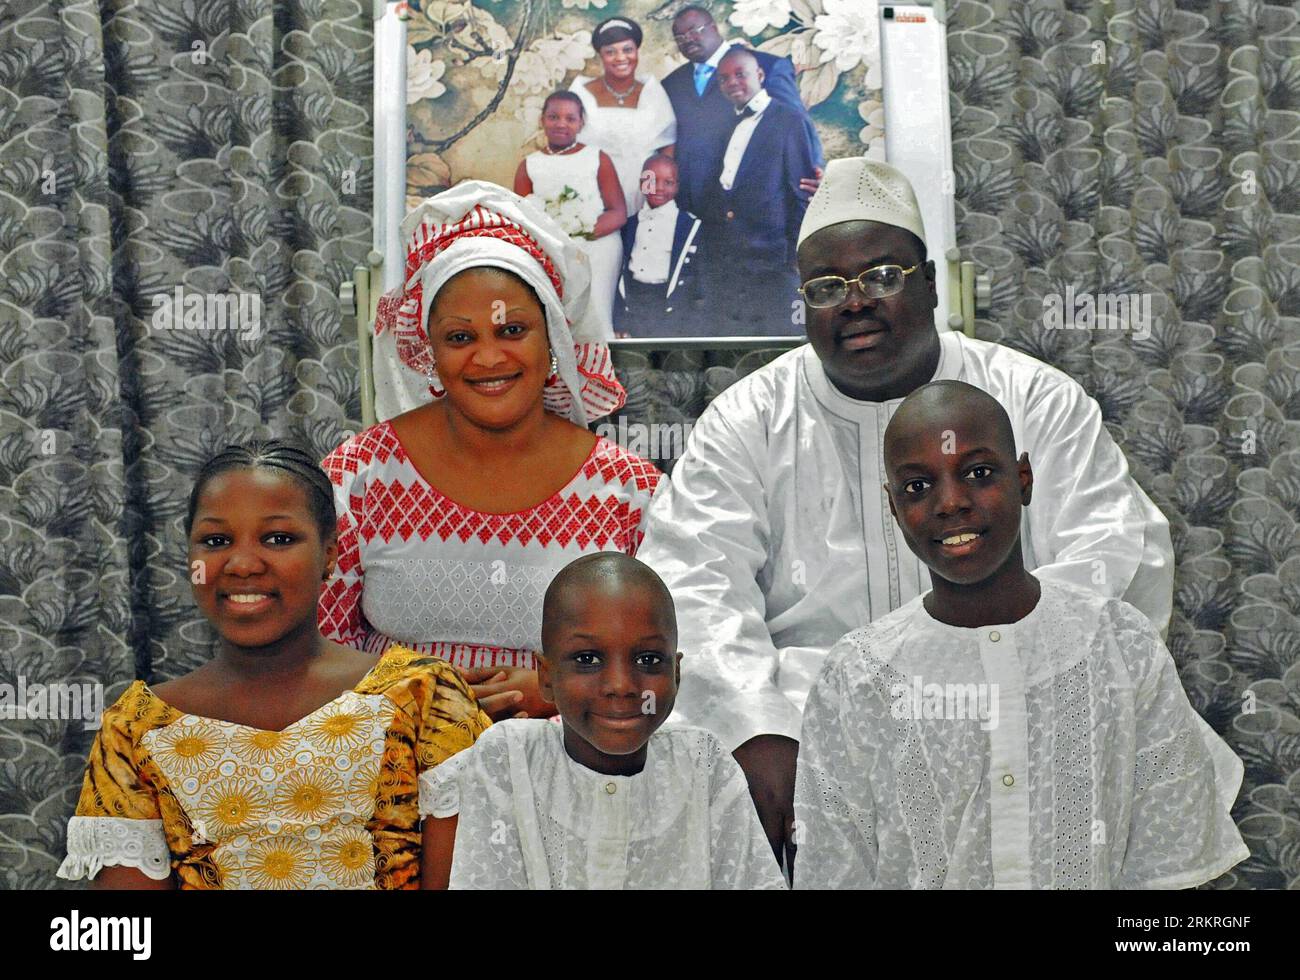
pixel 753 208
pixel 659 291
pixel 704 115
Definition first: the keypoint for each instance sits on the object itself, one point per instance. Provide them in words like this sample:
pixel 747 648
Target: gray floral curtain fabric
pixel 162 163
pixel 1146 148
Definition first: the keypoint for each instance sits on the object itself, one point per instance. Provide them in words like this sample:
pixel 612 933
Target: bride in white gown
pixel 629 116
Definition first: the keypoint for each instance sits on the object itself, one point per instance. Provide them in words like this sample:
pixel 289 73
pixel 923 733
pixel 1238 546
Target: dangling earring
pixel 434 390
pixel 555 370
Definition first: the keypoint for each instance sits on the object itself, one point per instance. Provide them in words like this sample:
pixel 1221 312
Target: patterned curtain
pixel 218 147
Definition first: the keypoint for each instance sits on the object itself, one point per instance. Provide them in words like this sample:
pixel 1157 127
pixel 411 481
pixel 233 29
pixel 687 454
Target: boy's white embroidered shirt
pixel 1059 751
pixel 531 817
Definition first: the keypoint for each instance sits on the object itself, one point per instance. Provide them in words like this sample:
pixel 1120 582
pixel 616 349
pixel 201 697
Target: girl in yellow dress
pixel 254 771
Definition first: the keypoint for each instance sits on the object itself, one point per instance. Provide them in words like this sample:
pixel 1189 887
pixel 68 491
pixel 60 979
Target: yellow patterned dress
pixel 329 802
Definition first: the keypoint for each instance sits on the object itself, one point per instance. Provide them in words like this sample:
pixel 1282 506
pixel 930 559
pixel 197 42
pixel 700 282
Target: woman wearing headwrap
pixel 454 516
pixel 628 115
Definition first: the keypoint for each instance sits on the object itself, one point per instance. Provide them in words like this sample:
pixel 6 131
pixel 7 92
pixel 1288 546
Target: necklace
pixel 571 148
pixel 619 97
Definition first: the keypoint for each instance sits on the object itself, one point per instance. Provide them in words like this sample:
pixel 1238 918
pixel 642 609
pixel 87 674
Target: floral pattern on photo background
pixel 207 144
pixel 478 72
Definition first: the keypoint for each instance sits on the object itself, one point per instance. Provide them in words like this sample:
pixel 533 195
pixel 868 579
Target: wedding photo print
pixel 678 145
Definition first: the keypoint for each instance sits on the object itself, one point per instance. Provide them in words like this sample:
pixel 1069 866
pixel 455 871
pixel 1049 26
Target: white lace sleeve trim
pixel 440 791
pixel 95 843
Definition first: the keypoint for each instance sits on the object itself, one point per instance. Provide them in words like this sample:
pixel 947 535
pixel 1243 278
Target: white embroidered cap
pixel 858 189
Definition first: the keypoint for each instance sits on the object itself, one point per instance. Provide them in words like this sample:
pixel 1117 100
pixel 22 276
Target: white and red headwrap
pixel 478 224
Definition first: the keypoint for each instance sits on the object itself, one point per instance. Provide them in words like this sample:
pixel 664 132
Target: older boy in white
pixel 1001 731
pixel 1097 774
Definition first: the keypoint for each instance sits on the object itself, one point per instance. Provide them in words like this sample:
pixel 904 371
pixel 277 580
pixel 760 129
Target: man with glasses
pixel 705 118
pixel 774 534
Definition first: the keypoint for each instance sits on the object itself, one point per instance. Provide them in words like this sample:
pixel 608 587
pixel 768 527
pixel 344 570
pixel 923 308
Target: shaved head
pixel 596 579
pixel 937 407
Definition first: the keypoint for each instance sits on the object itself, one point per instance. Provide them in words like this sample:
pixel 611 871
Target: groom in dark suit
pixel 704 116
pixel 752 207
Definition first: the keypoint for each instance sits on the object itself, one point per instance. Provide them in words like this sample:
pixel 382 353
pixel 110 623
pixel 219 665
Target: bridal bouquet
pixel 574 212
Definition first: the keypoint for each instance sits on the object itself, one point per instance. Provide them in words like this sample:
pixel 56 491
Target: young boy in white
pixel 607 799
pixel 1001 732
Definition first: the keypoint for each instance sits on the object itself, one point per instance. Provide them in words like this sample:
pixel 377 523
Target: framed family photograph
pixel 678 144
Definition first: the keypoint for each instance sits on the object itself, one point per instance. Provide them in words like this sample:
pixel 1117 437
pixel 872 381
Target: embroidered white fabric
pixel 531 817
pixel 410 595
pixel 1056 752
pixel 95 843
pixel 775 538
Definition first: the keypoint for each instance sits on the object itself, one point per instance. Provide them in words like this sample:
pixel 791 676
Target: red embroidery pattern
pixel 418 511
pixel 338 614
pixel 460 655
pixel 386 310
pixel 377 442
pixel 429 239
pixel 415 509
pixel 601 508
pixel 624 468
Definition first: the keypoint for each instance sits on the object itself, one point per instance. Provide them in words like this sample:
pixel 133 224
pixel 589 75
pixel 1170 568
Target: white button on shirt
pixel 740 137
pixel 652 253
pixel 1008 743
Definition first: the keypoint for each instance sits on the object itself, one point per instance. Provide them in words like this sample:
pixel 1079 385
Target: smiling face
pixel 955 485
pixel 739 76
pixel 696 36
pixel 661 186
pixel 611 667
pixel 561 121
pixel 619 59
pixel 872 349
pixel 490 347
pixel 261 557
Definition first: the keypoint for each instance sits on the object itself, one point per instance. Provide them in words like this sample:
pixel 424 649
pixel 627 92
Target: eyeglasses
pixel 690 33
pixel 876 283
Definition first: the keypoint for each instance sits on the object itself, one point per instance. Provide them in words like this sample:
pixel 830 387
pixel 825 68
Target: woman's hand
pixel 810 184
pixel 508 692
